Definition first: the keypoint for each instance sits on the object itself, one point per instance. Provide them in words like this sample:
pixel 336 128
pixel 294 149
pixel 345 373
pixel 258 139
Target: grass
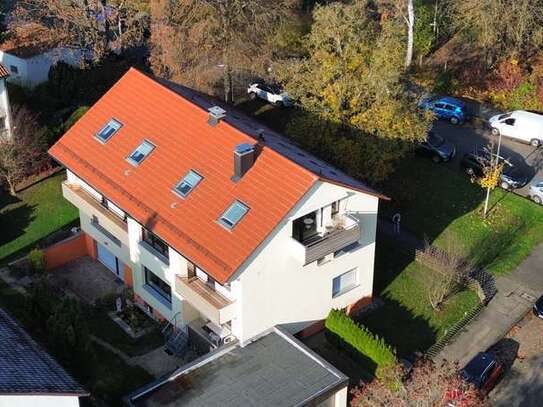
pixel 104 374
pixel 105 328
pixel 442 204
pixel 32 216
pixel 407 321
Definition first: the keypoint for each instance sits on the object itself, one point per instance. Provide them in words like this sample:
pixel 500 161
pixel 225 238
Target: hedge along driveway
pixel 36 213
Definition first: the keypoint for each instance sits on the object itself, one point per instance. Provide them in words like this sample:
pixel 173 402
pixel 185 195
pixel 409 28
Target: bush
pixel 37 260
pixel 360 339
pixel 74 117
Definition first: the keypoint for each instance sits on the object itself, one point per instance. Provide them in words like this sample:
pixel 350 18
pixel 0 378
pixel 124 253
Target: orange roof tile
pixel 183 141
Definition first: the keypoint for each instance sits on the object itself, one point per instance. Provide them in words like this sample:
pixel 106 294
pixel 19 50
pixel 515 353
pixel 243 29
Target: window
pixel 188 183
pixel 159 286
pixel 156 243
pixel 439 106
pixel 113 208
pixel 345 282
pixel 108 130
pixel 510 122
pixel 14 69
pixel 233 215
pixel 139 154
pixel 335 209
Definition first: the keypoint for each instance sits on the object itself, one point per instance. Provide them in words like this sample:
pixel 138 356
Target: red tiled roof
pixel 4 73
pixel 184 141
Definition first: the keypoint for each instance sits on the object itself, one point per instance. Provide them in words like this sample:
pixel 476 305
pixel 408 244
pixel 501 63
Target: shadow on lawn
pixel 13 221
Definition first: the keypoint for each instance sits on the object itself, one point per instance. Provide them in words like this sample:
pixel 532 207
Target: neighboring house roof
pixel 30 40
pixel 273 371
pixel 281 175
pixel 26 369
pixel 4 73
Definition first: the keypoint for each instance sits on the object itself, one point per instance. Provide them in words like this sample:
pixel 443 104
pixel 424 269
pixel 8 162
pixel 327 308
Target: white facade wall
pixel 35 70
pixel 276 289
pixel 5 109
pixel 39 401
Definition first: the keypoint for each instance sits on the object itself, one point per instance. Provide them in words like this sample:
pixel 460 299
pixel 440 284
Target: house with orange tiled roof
pixel 5 110
pixel 220 225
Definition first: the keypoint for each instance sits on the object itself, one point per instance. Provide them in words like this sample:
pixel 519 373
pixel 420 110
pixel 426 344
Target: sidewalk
pixel 516 295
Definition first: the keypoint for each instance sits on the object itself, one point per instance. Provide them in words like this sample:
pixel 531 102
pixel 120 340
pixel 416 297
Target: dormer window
pixel 188 183
pixel 233 215
pixel 108 130
pixel 140 153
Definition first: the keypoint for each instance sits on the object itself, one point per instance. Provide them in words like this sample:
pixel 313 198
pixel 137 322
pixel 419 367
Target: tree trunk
pixel 11 185
pixel 410 27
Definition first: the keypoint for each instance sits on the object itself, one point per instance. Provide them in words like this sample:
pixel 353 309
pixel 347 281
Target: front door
pixel 109 260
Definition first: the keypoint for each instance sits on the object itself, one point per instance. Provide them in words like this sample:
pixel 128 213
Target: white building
pixel 29 376
pixel 221 226
pixel 5 110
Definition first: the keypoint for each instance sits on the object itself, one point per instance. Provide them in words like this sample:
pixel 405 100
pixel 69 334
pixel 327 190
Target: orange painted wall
pixel 91 246
pixel 128 277
pixel 356 306
pixel 68 250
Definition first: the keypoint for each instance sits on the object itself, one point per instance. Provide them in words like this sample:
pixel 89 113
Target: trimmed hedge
pixel 361 340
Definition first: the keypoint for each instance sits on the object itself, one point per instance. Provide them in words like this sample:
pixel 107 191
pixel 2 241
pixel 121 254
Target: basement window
pixel 108 130
pixel 140 153
pixel 188 183
pixel 233 214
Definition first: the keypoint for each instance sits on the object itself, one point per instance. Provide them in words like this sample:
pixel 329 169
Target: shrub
pixel 74 117
pixel 37 260
pixel 360 339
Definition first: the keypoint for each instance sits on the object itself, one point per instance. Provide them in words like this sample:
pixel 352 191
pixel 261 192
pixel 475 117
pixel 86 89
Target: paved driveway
pixel 522 384
pixel 468 136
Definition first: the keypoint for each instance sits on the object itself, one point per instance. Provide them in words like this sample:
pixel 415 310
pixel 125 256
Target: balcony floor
pixel 212 297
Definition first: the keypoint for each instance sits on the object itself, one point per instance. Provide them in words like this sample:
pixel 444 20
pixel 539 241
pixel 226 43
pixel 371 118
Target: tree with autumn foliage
pixel 97 26
pixel 355 107
pixel 206 44
pixel 22 152
pixel 428 384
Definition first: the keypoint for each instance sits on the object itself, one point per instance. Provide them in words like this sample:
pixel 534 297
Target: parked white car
pixel 270 93
pixel 519 125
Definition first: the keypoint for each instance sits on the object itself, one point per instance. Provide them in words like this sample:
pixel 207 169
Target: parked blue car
pixel 446 108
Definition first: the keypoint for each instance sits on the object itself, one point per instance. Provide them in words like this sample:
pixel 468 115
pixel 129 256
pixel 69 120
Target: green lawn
pixel 104 374
pixel 407 321
pixel 36 213
pixel 442 204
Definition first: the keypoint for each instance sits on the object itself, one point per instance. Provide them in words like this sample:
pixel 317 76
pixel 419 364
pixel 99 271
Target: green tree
pixel 352 91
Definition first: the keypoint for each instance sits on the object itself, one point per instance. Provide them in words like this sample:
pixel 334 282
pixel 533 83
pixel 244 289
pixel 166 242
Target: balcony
pixel 334 238
pixel 85 202
pixel 205 299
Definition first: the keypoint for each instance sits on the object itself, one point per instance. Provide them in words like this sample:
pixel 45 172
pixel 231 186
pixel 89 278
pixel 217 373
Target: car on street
pixel 475 162
pixel 446 108
pixel 519 125
pixel 536 192
pixel 270 93
pixel 538 307
pixel 436 148
pixel 483 371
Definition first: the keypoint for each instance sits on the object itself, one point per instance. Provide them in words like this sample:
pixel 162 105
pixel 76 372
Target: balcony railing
pixel 205 299
pixel 332 240
pixel 84 201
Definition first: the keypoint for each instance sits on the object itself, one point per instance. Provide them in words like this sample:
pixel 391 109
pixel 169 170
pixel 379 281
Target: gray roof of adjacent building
pixel 27 369
pixel 273 370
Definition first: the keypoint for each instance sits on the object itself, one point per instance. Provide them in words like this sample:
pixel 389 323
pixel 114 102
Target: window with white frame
pixel 344 282
pixel 140 153
pixel 108 130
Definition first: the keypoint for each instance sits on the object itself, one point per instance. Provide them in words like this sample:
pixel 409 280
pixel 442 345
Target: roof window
pixel 188 183
pixel 233 214
pixel 108 130
pixel 140 153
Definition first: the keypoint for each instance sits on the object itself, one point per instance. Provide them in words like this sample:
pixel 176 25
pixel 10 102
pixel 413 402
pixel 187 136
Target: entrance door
pixel 109 260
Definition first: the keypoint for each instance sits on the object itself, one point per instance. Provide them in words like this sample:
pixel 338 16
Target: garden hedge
pixel 361 340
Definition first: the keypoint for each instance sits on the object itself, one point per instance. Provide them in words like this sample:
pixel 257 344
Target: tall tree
pixel 410 21
pixel 24 151
pixel 201 42
pixel 93 25
pixel 355 108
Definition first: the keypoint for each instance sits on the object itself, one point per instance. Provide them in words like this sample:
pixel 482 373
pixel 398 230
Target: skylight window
pixel 108 130
pixel 139 154
pixel 188 183
pixel 233 214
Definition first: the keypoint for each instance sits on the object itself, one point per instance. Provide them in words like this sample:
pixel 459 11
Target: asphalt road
pixel 522 384
pixel 469 136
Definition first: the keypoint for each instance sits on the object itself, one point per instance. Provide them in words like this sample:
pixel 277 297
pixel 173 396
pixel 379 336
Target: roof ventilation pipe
pixel 216 113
